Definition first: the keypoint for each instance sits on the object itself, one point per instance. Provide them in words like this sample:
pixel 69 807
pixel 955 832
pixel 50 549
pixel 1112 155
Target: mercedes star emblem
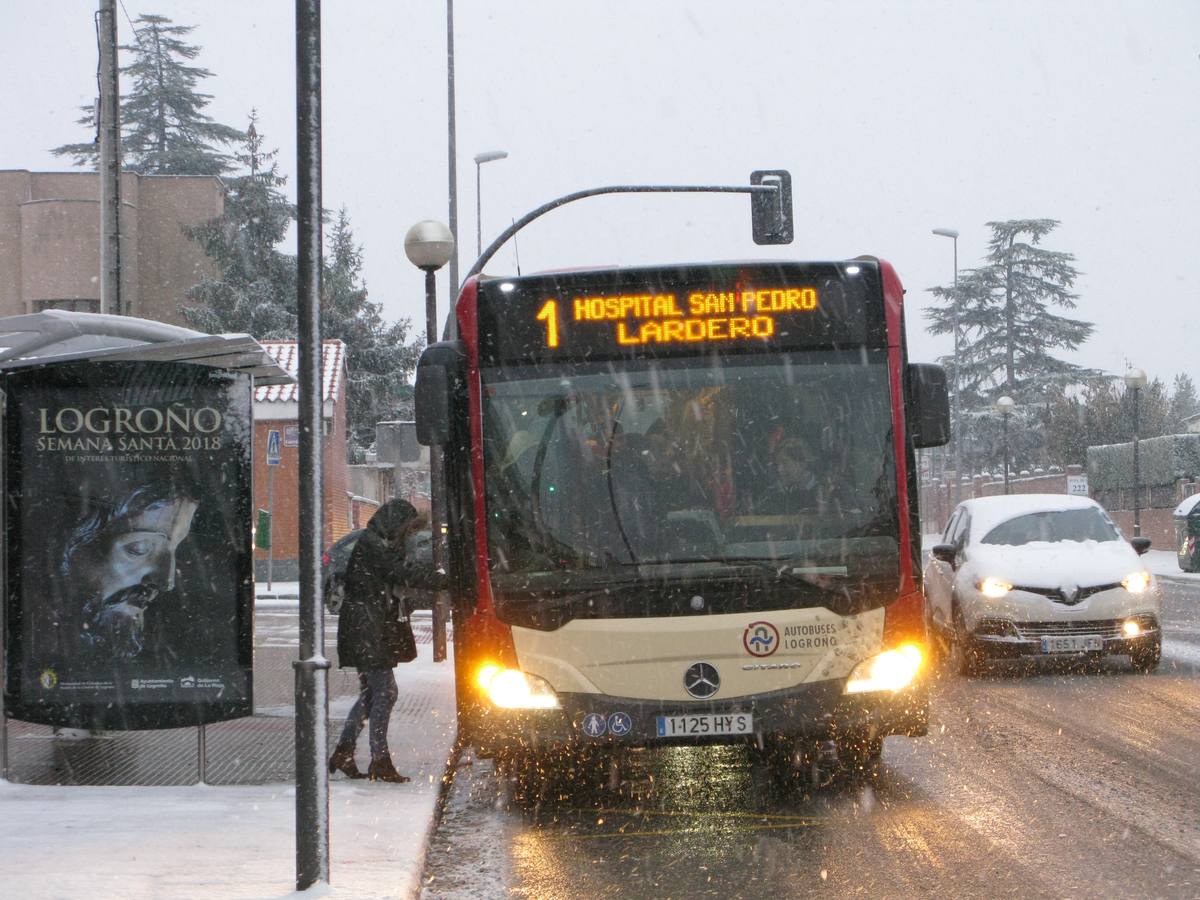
pixel 701 680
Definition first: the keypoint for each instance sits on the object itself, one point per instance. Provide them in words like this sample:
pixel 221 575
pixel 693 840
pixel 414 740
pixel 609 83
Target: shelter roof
pixel 59 336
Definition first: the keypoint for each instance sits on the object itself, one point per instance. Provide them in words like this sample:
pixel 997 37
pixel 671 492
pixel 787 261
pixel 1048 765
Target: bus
pixel 681 509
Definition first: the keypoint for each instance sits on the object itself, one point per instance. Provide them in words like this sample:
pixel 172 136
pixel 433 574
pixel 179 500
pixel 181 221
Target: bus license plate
pixel 1072 644
pixel 707 724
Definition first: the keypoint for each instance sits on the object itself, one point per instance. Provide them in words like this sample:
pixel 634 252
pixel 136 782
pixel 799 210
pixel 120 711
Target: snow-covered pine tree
pixel 1008 335
pixel 164 130
pixel 254 288
pixel 1184 403
pixel 380 356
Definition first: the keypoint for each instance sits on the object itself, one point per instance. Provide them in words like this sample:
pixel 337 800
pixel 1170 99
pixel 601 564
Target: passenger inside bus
pixel 662 509
pixel 799 484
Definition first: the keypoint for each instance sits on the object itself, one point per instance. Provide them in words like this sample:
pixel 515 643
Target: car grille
pixel 1058 596
pixel 1106 628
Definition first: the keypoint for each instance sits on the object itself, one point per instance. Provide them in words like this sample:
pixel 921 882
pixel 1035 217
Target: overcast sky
pixel 893 117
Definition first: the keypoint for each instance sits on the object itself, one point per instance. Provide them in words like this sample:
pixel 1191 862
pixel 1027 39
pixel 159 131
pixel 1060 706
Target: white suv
pixel 1043 575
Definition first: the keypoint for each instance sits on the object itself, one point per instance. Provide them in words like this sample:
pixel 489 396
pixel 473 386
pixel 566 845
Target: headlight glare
pixel 1137 582
pixel 514 689
pixel 891 670
pixel 994 588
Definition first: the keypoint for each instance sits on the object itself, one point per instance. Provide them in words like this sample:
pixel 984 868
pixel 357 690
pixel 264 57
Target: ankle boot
pixel 382 770
pixel 343 761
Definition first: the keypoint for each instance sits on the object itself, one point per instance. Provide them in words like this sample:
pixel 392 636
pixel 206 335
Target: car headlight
pixel 993 588
pixel 890 670
pixel 1137 582
pixel 514 689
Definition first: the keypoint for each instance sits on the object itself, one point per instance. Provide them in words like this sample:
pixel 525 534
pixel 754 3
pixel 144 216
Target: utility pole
pixel 453 162
pixel 110 161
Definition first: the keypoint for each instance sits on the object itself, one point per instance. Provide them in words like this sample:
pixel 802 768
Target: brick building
pixel 276 408
pixel 50 241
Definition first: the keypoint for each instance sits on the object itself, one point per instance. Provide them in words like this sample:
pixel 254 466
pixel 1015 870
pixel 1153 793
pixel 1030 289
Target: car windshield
pixel 1054 526
pixel 607 467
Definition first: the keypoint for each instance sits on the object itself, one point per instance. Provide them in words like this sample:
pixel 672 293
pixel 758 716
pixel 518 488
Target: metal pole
pixel 1137 475
pixel 437 494
pixel 1005 418
pixel 202 755
pixel 110 162
pixel 312 705
pixel 271 523
pixel 478 209
pixel 957 399
pixel 454 285
pixel 520 223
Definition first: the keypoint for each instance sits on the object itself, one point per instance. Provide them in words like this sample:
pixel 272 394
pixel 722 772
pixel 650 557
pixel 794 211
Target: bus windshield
pixel 617 471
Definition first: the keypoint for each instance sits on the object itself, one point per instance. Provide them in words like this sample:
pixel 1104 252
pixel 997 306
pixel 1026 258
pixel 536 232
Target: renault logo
pixel 701 680
pixel 1070 593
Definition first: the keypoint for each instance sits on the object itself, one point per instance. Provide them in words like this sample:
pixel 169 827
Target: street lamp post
pixel 1135 380
pixel 1004 406
pixel 480 159
pixel 952 233
pixel 429 245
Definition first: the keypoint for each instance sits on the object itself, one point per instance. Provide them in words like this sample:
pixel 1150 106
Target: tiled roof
pixel 333 359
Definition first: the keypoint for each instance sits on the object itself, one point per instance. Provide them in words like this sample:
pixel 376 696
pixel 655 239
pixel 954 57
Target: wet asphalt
pixel 1034 781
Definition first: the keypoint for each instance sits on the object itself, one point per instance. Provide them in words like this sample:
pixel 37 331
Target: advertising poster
pixel 129 566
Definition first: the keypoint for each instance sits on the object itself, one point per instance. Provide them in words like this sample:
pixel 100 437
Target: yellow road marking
pixel 766 826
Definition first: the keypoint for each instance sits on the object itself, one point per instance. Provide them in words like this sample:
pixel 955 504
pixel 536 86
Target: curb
pixel 439 806
pixel 1180 578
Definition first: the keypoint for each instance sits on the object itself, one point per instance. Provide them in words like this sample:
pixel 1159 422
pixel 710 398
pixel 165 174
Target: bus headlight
pixel 890 670
pixel 514 689
pixel 1137 582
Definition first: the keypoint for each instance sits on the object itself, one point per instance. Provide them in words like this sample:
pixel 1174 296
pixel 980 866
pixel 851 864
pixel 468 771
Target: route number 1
pixel 549 314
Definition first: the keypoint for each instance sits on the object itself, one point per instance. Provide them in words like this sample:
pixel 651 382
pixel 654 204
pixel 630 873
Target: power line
pixel 137 36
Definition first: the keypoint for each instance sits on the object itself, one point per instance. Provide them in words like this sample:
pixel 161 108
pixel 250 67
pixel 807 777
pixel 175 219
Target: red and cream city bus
pixel 682 507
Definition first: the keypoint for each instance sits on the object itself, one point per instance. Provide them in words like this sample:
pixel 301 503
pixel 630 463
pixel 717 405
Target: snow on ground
pixel 205 842
pixel 235 842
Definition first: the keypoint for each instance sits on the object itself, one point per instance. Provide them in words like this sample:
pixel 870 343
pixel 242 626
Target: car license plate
pixel 706 724
pixel 1076 643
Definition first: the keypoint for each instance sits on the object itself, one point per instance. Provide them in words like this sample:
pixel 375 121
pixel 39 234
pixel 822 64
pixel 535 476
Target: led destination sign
pixel 678 310
pixel 667 318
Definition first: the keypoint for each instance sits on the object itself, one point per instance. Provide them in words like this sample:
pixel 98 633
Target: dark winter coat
pixel 368 622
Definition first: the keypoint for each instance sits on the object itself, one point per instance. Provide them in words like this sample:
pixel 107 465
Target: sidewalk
pixel 120 814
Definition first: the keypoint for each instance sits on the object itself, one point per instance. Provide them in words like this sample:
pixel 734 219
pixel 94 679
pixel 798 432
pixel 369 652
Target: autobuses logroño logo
pixel 760 639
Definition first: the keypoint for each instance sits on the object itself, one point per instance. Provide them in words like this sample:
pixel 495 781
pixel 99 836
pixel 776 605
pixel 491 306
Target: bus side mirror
pixel 927 405
pixel 1140 545
pixel 771 212
pixel 439 374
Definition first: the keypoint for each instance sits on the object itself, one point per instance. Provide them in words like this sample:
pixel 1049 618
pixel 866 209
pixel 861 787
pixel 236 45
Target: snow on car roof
pixel 988 512
pixel 1189 503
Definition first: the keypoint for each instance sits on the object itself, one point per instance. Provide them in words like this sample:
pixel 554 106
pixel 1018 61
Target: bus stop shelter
pixel 119 429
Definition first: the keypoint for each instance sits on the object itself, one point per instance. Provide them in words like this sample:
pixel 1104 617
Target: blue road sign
pixel 273 448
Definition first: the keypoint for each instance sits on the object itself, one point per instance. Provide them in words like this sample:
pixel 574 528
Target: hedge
pixel 1161 461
